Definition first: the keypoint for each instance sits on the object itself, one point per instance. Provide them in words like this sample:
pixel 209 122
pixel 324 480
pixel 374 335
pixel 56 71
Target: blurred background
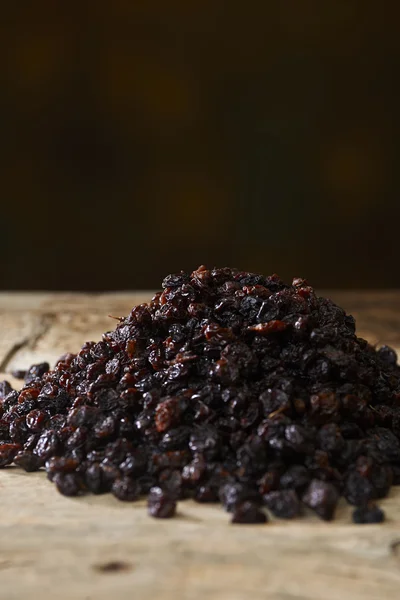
pixel 142 137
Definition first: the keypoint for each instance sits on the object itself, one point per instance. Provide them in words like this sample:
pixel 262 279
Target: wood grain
pixel 52 547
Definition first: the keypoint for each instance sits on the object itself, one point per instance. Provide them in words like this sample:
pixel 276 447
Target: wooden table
pixel 95 548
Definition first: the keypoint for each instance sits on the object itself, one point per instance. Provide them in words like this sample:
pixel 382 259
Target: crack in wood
pixel 45 323
pixel 113 566
pixel 395 547
pixel 15 348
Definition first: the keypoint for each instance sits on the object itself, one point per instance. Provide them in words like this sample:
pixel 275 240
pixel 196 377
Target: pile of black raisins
pixel 227 387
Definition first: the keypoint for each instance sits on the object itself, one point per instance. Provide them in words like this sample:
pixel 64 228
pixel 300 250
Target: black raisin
pixel 368 514
pixel 161 504
pixel 248 512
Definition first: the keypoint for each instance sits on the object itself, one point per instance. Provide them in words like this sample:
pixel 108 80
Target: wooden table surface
pixel 95 547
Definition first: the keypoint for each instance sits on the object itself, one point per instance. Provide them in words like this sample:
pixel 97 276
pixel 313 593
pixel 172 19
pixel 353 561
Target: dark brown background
pixel 141 137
